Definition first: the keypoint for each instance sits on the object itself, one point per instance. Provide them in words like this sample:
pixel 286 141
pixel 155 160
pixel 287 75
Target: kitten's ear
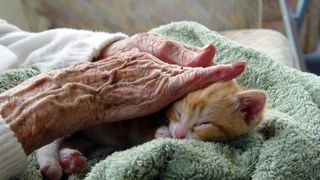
pixel 252 102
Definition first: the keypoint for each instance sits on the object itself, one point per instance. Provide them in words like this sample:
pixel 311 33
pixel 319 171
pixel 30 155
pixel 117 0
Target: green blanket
pixel 286 148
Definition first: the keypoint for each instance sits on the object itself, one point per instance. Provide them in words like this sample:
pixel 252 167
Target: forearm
pixel 37 110
pixel 52 105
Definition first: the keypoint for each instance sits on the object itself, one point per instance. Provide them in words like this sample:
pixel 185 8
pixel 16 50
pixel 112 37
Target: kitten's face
pixel 219 112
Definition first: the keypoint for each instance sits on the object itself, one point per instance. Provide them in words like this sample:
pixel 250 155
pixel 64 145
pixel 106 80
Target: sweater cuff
pixel 82 50
pixel 89 48
pixel 13 159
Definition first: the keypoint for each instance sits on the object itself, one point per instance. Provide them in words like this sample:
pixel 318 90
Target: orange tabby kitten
pixel 222 111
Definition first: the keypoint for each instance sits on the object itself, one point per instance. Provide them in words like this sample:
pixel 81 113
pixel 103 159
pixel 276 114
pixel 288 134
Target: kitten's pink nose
pixel 180 132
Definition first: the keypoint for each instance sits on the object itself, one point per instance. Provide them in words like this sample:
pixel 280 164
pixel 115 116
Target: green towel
pixel 287 147
pixel 11 78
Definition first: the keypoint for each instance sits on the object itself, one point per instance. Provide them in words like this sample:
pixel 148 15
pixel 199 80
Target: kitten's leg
pixel 70 156
pixel 48 160
pixel 162 132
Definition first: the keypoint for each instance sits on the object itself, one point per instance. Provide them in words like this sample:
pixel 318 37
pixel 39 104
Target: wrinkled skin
pixel 127 83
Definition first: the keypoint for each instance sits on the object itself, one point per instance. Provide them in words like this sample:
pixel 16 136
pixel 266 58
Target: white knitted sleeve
pixel 56 48
pixel 12 156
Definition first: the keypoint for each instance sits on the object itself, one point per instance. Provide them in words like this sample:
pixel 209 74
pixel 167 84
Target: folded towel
pixel 287 147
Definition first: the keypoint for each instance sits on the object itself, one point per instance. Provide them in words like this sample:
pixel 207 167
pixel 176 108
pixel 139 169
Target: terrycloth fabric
pixel 286 148
pixel 11 78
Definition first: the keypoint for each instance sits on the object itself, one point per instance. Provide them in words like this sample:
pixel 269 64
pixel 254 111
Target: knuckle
pixel 164 47
pixel 166 44
pixel 219 72
pixel 189 77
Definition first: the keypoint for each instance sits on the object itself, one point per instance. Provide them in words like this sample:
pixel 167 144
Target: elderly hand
pixel 125 85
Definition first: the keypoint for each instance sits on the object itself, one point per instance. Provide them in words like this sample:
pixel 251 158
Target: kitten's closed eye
pixel 202 126
pixel 178 114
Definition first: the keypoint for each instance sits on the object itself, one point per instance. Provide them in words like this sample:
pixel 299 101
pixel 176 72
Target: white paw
pixel 72 160
pixel 162 132
pixel 50 168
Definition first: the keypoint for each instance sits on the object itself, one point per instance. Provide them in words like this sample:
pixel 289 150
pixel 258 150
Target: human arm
pixel 124 86
pixel 61 102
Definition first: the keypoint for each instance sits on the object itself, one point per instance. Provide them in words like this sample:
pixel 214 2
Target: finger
pixel 173 52
pixel 204 57
pixel 195 49
pixel 197 78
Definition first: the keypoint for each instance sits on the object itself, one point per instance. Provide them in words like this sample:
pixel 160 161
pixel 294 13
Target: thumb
pixel 196 78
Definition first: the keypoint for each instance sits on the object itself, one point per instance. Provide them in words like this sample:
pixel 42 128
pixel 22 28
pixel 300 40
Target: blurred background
pixel 244 21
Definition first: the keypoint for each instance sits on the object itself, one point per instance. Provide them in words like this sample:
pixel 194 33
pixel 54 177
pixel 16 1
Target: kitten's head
pixel 220 112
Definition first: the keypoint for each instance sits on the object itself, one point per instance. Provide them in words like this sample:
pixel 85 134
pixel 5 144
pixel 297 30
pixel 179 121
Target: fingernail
pixel 204 47
pixel 207 47
pixel 205 56
pixel 239 64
